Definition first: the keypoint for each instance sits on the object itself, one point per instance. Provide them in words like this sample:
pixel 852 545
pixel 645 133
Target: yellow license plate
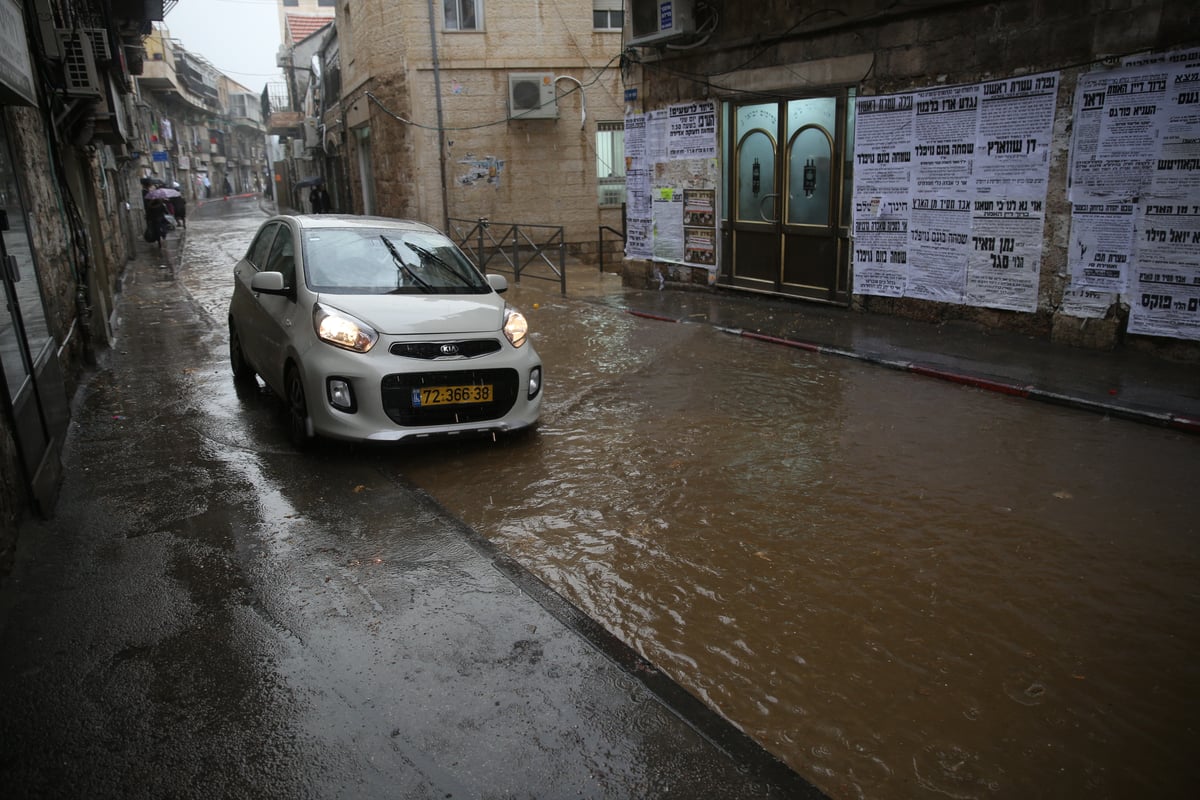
pixel 451 395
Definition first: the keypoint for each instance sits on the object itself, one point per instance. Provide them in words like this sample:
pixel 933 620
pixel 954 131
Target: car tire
pixel 242 371
pixel 297 410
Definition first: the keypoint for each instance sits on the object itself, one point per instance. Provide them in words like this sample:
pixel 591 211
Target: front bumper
pixel 384 388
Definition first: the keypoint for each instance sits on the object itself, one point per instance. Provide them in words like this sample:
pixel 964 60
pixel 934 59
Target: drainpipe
pixel 437 91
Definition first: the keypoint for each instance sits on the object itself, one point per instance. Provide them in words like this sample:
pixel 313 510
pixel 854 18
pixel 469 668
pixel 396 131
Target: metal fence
pixel 525 250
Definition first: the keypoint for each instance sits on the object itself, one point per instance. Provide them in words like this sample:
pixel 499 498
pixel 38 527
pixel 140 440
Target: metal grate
pixel 81 48
pixel 470 348
pixel 397 391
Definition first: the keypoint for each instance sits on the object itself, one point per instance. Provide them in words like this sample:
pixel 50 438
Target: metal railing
pixel 600 241
pixel 518 245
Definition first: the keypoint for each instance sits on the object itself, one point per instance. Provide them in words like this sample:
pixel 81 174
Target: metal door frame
pixel 835 237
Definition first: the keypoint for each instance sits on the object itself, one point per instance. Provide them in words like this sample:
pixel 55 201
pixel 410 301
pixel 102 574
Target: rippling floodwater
pixel 899 586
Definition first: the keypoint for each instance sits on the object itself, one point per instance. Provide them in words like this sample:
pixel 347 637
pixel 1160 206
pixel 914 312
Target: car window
pixel 261 246
pixel 388 261
pixel 283 256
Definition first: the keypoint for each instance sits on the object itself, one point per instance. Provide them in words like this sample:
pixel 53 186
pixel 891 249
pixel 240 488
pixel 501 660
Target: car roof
pixel 345 221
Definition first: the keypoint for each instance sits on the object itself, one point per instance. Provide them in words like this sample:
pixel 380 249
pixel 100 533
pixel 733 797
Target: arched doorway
pixel 788 172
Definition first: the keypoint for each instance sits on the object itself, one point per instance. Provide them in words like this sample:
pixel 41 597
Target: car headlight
pixel 342 330
pixel 515 326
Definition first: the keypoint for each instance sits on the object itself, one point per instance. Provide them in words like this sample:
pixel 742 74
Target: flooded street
pixel 901 587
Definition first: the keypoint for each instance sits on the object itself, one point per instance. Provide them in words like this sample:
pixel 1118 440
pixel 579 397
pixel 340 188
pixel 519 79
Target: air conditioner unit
pixel 80 78
pixel 658 21
pixel 311 137
pixel 531 96
pixel 97 36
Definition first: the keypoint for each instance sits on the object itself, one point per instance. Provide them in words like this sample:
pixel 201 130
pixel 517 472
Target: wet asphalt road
pixel 210 614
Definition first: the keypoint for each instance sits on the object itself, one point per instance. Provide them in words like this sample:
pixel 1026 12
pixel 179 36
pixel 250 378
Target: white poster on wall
pixel 1005 253
pixel 946 123
pixel 939 243
pixel 883 177
pixel 1176 171
pixel 1164 289
pixel 668 228
pixel 692 131
pixel 1101 247
pixel 1016 128
pixel 1092 178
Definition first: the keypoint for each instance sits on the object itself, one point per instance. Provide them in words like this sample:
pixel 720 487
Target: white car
pixel 375 329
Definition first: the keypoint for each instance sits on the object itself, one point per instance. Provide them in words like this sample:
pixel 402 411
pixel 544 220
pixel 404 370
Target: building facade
pixel 867 156
pixel 461 111
pixel 69 137
pixel 93 98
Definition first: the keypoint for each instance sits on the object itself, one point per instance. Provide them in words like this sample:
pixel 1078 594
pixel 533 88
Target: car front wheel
pixel 242 371
pixel 297 410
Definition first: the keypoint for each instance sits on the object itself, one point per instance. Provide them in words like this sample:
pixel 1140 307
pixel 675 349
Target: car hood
pixel 406 314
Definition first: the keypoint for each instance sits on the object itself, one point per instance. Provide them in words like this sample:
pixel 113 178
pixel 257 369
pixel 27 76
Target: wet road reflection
pixel 903 588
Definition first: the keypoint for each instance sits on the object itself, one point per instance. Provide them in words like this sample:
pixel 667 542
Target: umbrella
pixel 312 180
pixel 150 180
pixel 161 194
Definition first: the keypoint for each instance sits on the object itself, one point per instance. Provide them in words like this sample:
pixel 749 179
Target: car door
pixel 245 312
pixel 276 320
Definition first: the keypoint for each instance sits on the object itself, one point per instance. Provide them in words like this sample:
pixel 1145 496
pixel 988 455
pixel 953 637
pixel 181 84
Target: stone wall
pixel 532 172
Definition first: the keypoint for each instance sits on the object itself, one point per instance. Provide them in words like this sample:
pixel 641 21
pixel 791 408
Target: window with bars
pixel 607 15
pixel 610 163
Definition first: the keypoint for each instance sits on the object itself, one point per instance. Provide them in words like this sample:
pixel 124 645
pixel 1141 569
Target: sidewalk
pixel 1123 383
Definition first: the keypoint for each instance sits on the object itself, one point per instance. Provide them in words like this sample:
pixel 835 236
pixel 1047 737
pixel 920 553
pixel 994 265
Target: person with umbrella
pixel 179 206
pixel 157 226
pixel 319 199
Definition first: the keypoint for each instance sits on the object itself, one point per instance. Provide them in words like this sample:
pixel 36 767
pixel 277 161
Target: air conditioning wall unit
pixel 311 137
pixel 655 22
pixel 80 49
pixel 531 96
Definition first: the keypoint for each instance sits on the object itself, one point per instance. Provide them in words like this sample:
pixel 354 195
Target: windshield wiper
pixel 441 262
pixel 405 268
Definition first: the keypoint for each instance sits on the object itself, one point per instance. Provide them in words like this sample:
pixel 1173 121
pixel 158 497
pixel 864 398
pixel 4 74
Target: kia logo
pixel 449 349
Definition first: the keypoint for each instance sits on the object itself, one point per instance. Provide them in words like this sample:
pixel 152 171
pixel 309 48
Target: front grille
pixel 397 391
pixel 470 348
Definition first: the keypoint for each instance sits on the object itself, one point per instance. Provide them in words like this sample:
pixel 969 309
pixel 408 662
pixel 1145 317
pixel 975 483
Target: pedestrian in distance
pixel 319 199
pixel 157 226
pixel 180 206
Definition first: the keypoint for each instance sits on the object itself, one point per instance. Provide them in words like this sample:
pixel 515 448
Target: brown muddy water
pixel 901 587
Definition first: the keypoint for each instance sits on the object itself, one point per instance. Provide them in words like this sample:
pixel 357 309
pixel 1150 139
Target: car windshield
pixel 387 261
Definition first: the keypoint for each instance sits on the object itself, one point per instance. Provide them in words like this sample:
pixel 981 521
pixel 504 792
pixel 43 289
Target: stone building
pixel 69 169
pixel 206 130
pixel 818 195
pixel 92 100
pixel 507 110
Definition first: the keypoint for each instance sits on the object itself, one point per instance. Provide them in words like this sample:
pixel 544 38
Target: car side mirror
pixel 498 282
pixel 268 283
